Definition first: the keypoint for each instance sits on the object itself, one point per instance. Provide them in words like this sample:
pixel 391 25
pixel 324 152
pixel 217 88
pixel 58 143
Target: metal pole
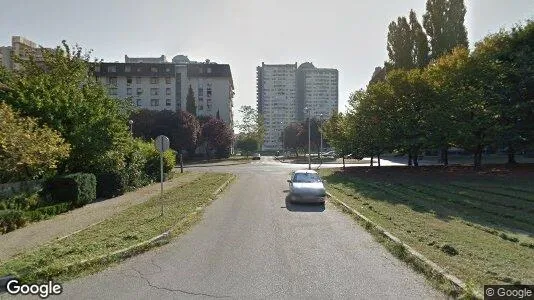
pixel 161 176
pixel 321 147
pixel 181 162
pixel 309 141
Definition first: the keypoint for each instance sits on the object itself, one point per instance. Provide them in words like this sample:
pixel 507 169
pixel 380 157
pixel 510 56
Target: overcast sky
pixel 349 35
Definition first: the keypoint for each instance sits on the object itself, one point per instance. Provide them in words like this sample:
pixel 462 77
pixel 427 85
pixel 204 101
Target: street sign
pixel 162 143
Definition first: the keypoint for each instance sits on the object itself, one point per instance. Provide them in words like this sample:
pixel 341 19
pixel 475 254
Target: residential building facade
pixel 22 48
pixel 155 84
pixel 276 100
pixel 284 91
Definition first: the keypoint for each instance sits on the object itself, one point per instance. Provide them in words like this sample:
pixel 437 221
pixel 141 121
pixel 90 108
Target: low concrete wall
pixel 12 188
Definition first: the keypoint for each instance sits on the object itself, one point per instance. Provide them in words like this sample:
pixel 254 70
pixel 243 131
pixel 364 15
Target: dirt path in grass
pixel 61 225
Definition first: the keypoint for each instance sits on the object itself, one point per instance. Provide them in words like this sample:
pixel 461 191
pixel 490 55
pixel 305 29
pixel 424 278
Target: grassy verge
pixel 479 227
pixel 128 228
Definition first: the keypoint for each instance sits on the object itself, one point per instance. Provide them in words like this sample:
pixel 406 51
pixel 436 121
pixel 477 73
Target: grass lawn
pixel 132 226
pixel 478 226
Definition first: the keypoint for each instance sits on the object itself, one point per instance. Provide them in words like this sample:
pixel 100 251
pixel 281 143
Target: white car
pixel 306 186
pixel 256 156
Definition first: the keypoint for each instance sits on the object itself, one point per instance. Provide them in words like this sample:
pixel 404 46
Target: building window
pixel 139 91
pixel 209 70
pixel 167 91
pixel 112 81
pixel 208 106
pixel 129 91
pixel 200 107
pixel 208 92
pixel 154 69
pixel 128 81
pixel 200 91
pixel 154 80
pixel 112 69
pixel 167 80
pixel 127 68
pixel 167 70
pixel 139 69
pixel 154 92
pixel 139 102
pixel 154 102
pixel 168 102
pixel 113 91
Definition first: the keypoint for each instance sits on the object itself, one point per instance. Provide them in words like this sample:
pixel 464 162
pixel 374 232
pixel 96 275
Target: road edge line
pixel 455 281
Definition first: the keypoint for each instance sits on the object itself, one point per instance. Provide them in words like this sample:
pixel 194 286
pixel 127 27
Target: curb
pixel 455 281
pixel 140 247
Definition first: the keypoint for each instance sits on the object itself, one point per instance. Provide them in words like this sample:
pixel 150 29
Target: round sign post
pixel 162 144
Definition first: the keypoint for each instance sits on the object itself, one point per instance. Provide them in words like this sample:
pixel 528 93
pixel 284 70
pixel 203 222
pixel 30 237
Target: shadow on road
pixel 303 207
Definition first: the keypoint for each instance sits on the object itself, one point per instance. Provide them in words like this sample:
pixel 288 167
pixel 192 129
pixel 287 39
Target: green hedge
pixel 11 219
pixel 78 189
pixel 47 211
pixel 111 184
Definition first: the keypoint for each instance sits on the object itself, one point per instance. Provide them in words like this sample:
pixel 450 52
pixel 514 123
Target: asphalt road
pixel 252 245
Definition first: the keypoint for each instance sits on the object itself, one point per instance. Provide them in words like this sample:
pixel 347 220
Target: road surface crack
pixel 152 285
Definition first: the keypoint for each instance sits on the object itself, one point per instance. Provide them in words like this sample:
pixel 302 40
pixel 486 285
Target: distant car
pixel 306 186
pixel 256 156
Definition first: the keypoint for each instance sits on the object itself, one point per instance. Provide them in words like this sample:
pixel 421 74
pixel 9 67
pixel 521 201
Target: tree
pixel 292 138
pixel 190 105
pixel 182 128
pixel 62 92
pixel 420 49
pixel 444 24
pixel 251 125
pixel 400 44
pixel 247 144
pixel 216 135
pixel 336 131
pixel 27 150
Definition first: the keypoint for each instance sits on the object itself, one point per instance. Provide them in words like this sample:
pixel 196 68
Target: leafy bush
pixel 11 219
pixel 22 201
pixel 111 184
pixel 47 211
pixel 152 168
pixel 27 150
pixel 77 189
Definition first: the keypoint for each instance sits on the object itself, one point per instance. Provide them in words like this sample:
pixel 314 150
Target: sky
pixel 349 35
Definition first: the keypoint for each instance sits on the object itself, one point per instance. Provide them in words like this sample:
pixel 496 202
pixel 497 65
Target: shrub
pixel 10 220
pixel 47 211
pixel 152 168
pixel 22 201
pixel 77 189
pixel 27 150
pixel 111 184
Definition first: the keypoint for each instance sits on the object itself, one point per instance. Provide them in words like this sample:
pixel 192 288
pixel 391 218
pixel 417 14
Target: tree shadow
pixel 439 195
pixel 303 207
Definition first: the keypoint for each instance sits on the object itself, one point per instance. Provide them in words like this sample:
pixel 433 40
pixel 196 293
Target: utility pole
pixel 309 138
pixel 321 147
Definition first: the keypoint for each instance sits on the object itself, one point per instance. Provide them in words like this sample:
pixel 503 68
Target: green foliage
pixel 22 201
pixel 46 212
pixel 251 125
pixel 217 136
pixel 152 167
pixel 247 144
pixel 27 150
pixel 63 93
pixel 190 104
pixel 11 219
pixel 78 189
pixel 444 25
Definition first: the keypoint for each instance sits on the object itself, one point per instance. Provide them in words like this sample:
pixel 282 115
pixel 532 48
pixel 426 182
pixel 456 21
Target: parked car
pixel 256 156
pixel 306 186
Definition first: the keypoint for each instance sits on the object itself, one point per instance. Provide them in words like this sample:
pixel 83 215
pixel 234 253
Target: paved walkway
pixel 41 232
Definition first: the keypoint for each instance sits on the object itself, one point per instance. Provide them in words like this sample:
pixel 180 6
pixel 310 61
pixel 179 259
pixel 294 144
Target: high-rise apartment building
pixel 156 84
pixel 284 91
pixel 22 48
pixel 276 100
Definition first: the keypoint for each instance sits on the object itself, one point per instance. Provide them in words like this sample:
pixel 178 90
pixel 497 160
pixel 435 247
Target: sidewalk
pixel 41 232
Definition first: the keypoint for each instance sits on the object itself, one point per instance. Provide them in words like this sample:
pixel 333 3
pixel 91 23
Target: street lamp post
pixel 309 138
pixel 321 147
pixel 131 126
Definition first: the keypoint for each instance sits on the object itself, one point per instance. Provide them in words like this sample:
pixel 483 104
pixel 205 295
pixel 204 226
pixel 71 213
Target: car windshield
pixel 306 177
